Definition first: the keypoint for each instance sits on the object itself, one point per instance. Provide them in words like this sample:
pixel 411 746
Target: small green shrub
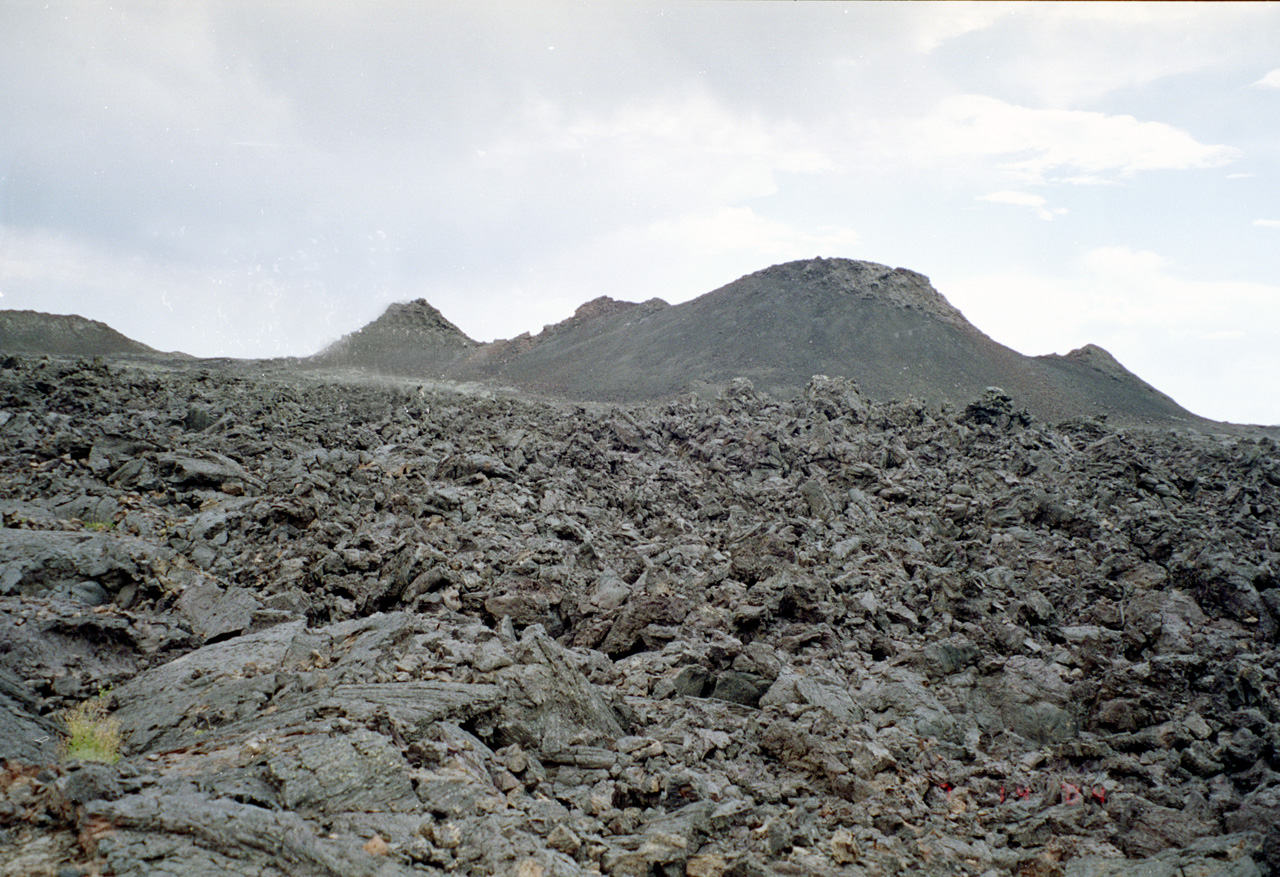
pixel 92 735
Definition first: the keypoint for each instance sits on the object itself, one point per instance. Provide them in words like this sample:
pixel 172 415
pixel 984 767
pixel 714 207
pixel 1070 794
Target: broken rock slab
pixel 207 469
pixel 178 835
pixel 76 650
pixel 25 735
pixel 1030 698
pixel 323 774
pixel 216 612
pixel 88 567
pixel 284 677
pixel 792 688
pixel 550 705
pixel 165 706
pixel 1228 855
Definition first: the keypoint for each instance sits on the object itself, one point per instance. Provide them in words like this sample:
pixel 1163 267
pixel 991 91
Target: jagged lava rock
pixel 363 626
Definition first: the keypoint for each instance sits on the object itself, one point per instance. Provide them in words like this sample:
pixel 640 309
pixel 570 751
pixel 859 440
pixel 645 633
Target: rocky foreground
pixel 358 629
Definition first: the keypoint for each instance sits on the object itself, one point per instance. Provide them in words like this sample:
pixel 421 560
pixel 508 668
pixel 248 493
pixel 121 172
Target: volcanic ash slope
pixel 886 328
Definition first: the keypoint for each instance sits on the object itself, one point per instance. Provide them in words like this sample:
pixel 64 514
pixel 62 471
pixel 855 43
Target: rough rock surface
pixel 360 628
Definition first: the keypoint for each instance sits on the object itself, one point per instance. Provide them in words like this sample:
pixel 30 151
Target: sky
pixel 254 179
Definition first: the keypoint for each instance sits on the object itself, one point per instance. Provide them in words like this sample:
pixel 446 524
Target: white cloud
pixel 1213 345
pixel 1025 199
pixel 937 23
pixel 1271 80
pixel 700 124
pixel 739 229
pixel 1267 223
pixel 1075 54
pixel 1068 146
pixel 155 73
pixel 690 146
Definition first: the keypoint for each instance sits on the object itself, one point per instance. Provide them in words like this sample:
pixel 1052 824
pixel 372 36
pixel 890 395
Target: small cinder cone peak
pixel 900 287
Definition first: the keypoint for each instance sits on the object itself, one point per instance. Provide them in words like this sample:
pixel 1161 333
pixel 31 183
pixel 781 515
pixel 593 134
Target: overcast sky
pixel 257 179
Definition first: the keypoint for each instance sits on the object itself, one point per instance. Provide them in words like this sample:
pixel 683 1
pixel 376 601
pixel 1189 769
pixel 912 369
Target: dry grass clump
pixel 92 735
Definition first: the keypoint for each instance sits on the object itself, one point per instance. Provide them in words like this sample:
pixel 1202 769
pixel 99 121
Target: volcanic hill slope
pixel 63 335
pixel 886 328
pixel 368 629
pixel 411 338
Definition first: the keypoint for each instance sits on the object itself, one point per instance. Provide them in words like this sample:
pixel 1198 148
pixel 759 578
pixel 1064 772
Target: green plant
pixel 92 735
pixel 100 526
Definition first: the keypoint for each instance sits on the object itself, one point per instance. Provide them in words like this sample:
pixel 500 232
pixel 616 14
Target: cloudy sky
pixel 257 179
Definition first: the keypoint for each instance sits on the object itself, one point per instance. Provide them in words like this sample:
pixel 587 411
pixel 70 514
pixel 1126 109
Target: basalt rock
pixel 346 626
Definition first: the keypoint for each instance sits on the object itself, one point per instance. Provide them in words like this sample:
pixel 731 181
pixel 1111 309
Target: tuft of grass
pixel 92 735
